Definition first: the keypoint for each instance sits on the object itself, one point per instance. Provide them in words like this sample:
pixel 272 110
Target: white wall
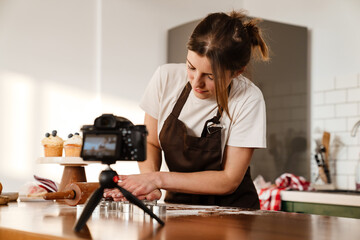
pixel 52 75
pixel 333 28
pixel 64 62
pixel 334 73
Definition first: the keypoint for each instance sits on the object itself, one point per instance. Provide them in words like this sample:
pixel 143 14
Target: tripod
pixel 108 179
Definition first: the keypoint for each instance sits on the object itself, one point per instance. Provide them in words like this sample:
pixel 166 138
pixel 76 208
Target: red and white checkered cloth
pixel 270 198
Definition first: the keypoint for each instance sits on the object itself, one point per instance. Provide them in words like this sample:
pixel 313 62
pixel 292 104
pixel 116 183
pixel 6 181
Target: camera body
pixel 113 138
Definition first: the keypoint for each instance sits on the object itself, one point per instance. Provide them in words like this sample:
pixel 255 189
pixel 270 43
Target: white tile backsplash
pixel 341 181
pixel 324 112
pixel 317 125
pixel 343 139
pixel 335 124
pixel 335 108
pixel 318 98
pixel 324 84
pixel 353 152
pixel 346 81
pixel 351 123
pixel 351 182
pixel 346 110
pixel 353 95
pixel 345 167
pixel 338 153
pixel 338 96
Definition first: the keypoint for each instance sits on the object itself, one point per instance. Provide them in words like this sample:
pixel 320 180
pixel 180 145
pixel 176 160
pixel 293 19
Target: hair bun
pixel 253 32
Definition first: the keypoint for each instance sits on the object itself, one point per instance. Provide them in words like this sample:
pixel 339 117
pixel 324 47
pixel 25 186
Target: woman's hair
pixel 228 41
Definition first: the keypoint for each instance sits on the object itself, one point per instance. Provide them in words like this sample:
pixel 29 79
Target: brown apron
pixel 184 153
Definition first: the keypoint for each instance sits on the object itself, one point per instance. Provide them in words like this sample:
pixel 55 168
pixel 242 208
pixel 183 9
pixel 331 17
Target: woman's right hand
pixel 154 195
pixel 113 193
pixel 117 195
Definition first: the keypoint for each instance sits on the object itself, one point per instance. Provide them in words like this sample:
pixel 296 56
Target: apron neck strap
pixel 181 101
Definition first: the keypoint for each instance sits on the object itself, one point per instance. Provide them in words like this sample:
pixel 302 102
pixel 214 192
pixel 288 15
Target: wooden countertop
pixel 51 220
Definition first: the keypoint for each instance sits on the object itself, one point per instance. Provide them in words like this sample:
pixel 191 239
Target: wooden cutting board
pixel 326 144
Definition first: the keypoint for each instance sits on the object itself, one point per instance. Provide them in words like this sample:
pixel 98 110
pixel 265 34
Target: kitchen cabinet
pixel 338 204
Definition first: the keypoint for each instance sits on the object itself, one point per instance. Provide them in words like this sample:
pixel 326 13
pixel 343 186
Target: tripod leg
pixel 89 208
pixel 138 203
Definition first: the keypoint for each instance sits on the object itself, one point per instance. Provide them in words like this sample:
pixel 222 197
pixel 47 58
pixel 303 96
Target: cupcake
pixel 73 145
pixel 53 145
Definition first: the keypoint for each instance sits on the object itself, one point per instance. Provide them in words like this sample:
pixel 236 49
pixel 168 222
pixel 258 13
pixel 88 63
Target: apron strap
pixel 181 101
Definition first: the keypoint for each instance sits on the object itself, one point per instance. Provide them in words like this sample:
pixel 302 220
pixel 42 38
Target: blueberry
pixel 77 133
pixel 70 135
pixel 47 134
pixel 54 132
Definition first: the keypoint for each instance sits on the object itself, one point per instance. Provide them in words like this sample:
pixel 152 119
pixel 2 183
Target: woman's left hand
pixel 140 184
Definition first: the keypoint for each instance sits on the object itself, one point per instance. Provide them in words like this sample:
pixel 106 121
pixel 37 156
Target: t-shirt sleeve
pixel 150 101
pixel 249 125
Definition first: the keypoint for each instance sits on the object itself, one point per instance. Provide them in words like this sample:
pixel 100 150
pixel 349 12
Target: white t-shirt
pixel 246 107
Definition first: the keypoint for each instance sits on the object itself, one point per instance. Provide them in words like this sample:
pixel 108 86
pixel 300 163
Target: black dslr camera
pixel 113 138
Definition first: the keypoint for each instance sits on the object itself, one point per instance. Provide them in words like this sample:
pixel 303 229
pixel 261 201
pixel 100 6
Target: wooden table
pixel 51 220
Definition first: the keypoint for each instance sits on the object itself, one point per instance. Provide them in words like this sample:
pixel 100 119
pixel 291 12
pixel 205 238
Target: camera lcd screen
pixel 99 145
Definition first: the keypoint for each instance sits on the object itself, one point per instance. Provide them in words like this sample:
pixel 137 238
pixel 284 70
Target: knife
pixel 324 163
pixel 322 173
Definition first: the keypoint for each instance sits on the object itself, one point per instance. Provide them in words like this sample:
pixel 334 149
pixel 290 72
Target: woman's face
pixel 200 75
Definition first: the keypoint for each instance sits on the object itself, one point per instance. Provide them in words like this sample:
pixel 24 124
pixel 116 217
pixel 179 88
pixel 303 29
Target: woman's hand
pixel 140 184
pixel 117 195
pixel 154 195
pixel 143 186
pixel 113 193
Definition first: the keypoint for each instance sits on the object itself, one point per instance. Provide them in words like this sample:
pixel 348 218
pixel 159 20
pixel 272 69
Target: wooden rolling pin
pixel 3 200
pixel 74 193
pixel 7 197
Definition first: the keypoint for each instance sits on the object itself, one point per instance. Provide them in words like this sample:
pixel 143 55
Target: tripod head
pixel 108 179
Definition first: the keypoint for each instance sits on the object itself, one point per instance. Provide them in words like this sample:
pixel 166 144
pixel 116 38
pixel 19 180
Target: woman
pixel 206 118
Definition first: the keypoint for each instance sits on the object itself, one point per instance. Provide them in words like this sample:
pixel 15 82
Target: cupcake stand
pixel 74 170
